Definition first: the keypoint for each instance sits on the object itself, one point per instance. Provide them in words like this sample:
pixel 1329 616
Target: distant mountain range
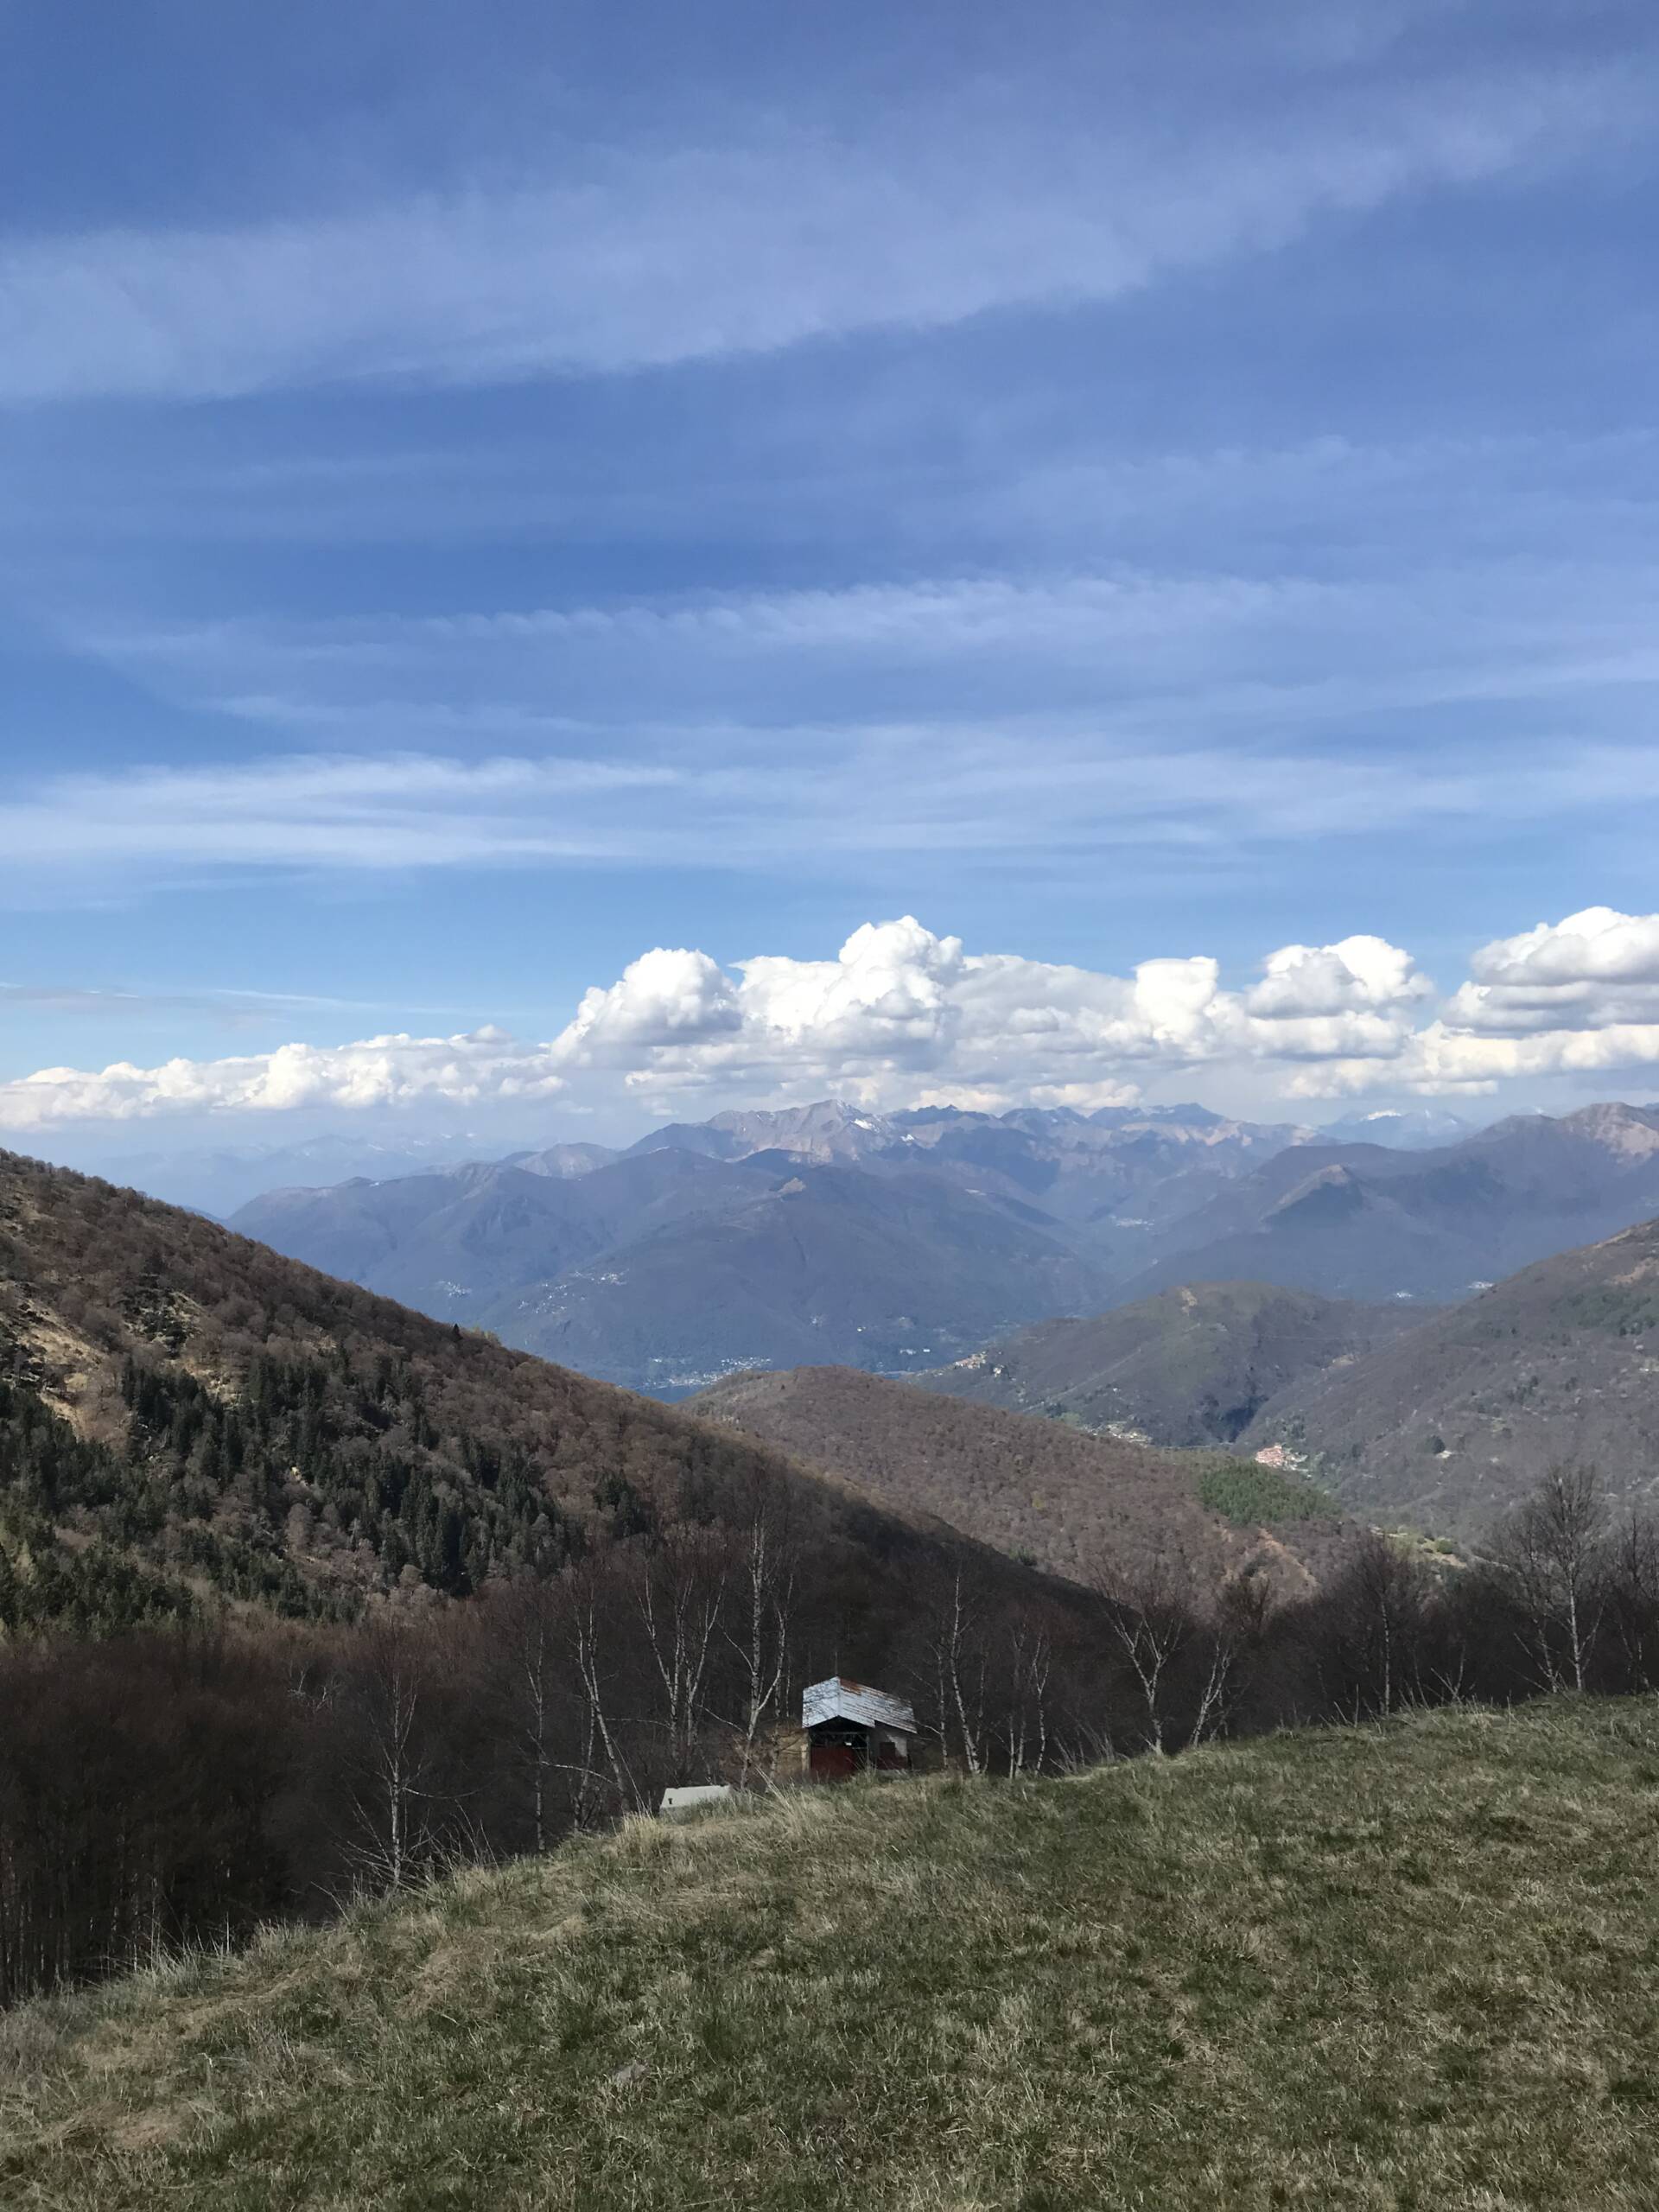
pixel 1435 1419
pixel 188 1418
pixel 668 1268
pixel 770 1239
pixel 217 1179
pixel 902 1243
pixel 1416 1130
pixel 1362 1221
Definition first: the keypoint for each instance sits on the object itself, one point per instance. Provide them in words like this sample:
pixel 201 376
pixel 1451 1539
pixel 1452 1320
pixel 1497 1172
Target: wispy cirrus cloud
pixel 1214 649
pixel 231 1005
pixel 290 811
pixel 1060 712
pixel 723 798
pixel 655 255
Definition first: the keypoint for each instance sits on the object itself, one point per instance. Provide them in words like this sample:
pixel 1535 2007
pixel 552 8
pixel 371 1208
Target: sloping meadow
pixel 1407 1965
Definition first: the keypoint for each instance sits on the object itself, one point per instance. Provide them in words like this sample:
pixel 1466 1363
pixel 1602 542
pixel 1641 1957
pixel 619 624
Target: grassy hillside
pixel 1403 1965
pixel 1076 1505
pixel 1192 1366
pixel 1449 1426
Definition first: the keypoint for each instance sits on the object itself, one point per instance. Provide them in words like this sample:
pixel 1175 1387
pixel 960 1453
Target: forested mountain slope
pixel 1191 1366
pixel 1094 1508
pixel 184 1411
pixel 1449 1425
pixel 1400 1965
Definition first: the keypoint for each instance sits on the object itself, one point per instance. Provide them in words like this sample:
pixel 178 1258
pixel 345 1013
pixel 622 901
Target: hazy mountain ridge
pixel 823 1263
pixel 1190 1366
pixel 1363 1221
pixel 916 1238
pixel 908 1239
pixel 217 1179
pixel 1453 1422
pixel 669 1266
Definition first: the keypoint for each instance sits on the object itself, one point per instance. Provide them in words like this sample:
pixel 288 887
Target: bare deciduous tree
pixel 681 1596
pixel 1633 1598
pixel 1150 1617
pixel 1031 1655
pixel 1214 1691
pixel 1553 1553
pixel 391 1799
pixel 1377 1611
pixel 530 1666
pixel 951 1631
pixel 766 1576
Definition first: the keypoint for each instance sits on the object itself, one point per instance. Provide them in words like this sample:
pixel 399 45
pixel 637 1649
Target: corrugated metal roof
pixel 839 1700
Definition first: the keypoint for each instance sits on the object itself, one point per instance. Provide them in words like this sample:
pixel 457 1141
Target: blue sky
pixel 488 495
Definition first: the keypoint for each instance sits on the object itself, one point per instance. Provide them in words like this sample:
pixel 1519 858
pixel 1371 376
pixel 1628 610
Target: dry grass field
pixel 1406 1966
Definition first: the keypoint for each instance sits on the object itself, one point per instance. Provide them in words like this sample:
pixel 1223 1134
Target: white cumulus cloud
pixel 1598 970
pixel 901 1010
pixel 901 1015
pixel 1596 946
pixel 483 1065
pixel 665 997
pixel 1577 997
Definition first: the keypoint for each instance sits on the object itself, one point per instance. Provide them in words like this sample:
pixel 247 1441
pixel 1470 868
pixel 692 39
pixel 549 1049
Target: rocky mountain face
pixel 1191 1366
pixel 1450 1424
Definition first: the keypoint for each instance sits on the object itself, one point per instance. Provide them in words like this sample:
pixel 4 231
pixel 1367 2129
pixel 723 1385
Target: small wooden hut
pixel 850 1728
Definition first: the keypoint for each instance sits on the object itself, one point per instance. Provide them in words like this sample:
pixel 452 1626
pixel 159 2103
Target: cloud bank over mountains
pixel 902 1016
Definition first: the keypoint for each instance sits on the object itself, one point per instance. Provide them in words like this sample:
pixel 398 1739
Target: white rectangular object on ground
pixel 691 1795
